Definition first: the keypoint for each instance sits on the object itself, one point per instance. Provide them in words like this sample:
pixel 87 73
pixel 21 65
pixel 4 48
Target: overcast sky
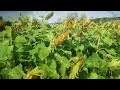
pixel 57 14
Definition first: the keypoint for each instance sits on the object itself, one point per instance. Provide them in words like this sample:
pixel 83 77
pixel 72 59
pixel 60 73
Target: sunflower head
pixel 86 23
pixel 70 23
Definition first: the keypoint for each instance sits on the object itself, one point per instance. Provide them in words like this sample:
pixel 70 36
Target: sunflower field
pixel 74 49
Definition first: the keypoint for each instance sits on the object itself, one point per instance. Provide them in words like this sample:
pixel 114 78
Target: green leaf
pixel 6 43
pixel 20 39
pixel 119 41
pixel 36 33
pixel 27 47
pixel 4 73
pixel 81 47
pixel 9 50
pixel 63 70
pixel 3 51
pixel 111 51
pixel 63 66
pixel 93 61
pixel 20 50
pixel 16 73
pixel 44 52
pixel 3 33
pixel 33 51
pixel 94 75
pixel 104 67
pixel 96 64
pixel 44 67
pixel 102 32
pixel 39 46
pixel 32 38
pixel 96 36
pixel 85 69
pixel 52 73
pixel 2 62
pixel 61 59
pixel 50 36
pixel 58 57
pixel 67 52
pixel 8 31
pixel 93 45
pixel 103 52
pixel 108 41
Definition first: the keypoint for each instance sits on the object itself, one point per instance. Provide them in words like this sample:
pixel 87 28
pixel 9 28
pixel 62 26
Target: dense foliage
pixel 74 49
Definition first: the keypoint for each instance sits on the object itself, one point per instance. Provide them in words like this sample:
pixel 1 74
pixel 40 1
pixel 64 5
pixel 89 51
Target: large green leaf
pixel 43 52
pixel 63 66
pixel 52 73
pixel 16 73
pixel 108 40
pixel 104 67
pixel 93 61
pixel 20 39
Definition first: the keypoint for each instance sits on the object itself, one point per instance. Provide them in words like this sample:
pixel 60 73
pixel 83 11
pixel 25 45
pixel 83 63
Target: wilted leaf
pixel 75 69
pixel 35 72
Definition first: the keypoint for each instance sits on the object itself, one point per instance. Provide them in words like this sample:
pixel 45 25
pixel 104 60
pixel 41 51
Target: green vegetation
pixel 87 50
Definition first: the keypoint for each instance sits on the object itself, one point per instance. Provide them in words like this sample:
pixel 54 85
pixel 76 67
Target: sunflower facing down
pixel 69 24
pixel 86 23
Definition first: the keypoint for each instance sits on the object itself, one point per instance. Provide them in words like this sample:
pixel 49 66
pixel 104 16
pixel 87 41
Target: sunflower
pixel 61 38
pixel 86 23
pixel 70 23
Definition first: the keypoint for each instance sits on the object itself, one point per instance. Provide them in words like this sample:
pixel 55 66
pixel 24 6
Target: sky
pixel 57 14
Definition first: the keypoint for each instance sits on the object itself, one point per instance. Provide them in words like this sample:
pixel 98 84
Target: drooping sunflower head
pixel 86 23
pixel 71 23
